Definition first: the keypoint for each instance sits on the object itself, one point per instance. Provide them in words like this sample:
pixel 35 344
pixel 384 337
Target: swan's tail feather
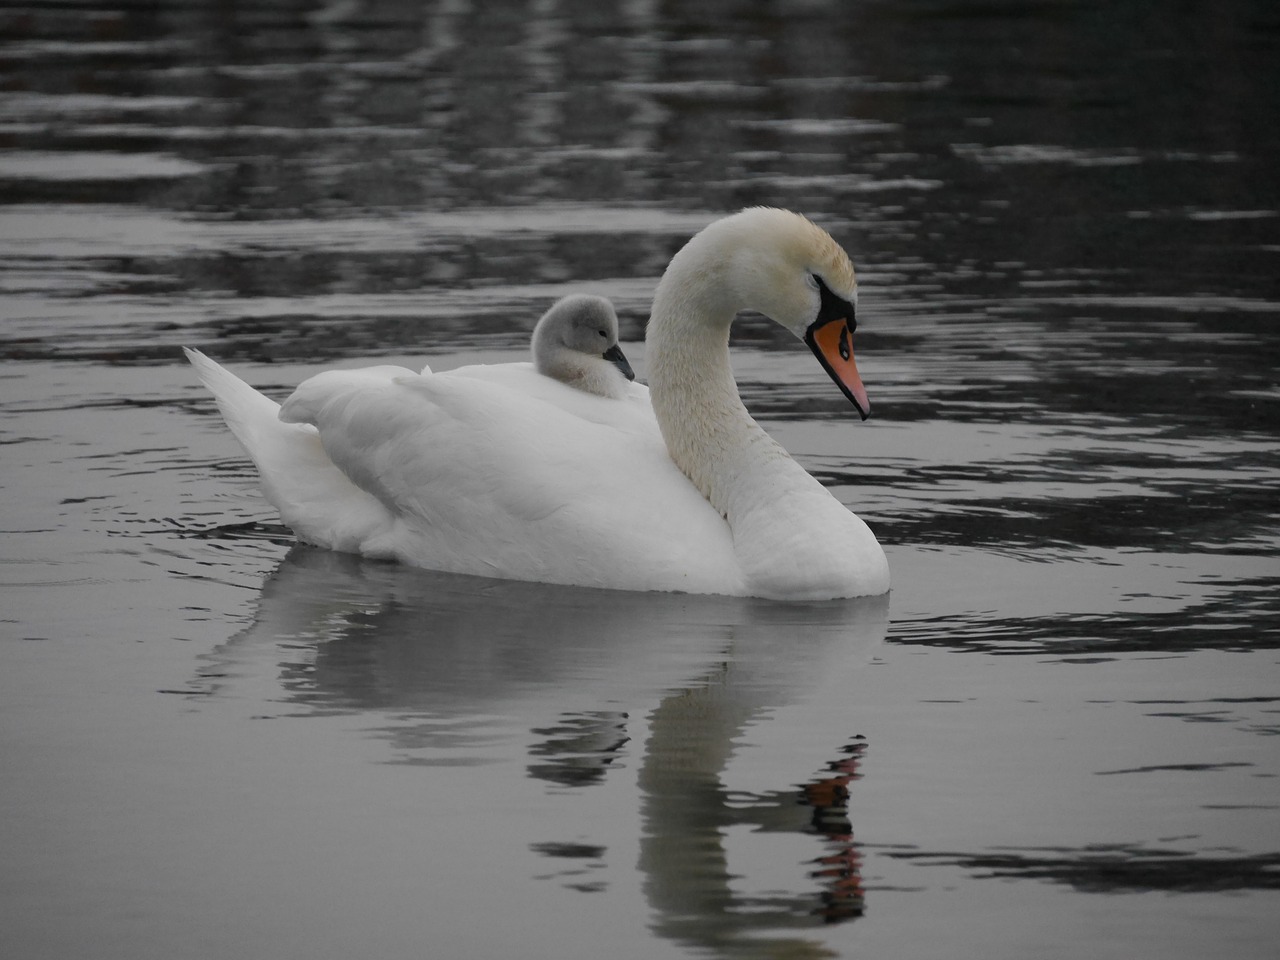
pixel 251 416
pixel 313 496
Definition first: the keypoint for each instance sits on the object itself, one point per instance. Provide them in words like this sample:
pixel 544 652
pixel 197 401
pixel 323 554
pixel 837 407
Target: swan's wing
pixel 503 472
pixel 314 497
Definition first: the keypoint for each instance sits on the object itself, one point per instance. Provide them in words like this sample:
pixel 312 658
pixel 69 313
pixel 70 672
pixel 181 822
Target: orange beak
pixel 832 343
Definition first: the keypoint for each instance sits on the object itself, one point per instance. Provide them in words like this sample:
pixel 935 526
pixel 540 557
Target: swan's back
pixel 499 471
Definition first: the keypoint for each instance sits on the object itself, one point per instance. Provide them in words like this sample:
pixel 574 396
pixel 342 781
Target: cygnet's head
pixel 576 342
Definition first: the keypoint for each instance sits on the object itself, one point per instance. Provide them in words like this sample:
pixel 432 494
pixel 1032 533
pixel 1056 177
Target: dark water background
pixel 1057 739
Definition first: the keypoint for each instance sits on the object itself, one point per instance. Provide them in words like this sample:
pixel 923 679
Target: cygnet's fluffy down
pixel 576 342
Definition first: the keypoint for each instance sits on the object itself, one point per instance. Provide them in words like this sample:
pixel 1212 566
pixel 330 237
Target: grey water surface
pixel 1057 738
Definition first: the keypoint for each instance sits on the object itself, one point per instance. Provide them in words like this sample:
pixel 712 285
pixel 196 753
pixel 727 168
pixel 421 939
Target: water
pixel 1056 739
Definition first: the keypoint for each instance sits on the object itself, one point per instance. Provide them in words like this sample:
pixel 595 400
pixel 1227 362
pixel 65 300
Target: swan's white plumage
pixel 297 474
pixel 792 539
pixel 480 470
pixel 497 470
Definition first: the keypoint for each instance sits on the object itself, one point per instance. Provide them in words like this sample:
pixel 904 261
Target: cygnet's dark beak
pixel 615 356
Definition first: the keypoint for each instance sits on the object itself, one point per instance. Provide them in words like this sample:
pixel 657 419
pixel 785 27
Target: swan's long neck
pixel 708 432
pixel 792 539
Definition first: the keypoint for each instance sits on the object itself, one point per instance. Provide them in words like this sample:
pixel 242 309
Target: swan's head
pixel 794 272
pixel 576 342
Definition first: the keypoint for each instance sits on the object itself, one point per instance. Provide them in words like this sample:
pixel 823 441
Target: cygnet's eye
pixel 603 334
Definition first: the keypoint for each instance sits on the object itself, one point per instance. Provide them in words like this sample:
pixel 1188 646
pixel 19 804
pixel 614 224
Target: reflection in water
pixel 446 664
pixel 579 749
pixel 689 814
pixel 1246 617
pixel 582 860
pixel 840 868
pixel 1116 868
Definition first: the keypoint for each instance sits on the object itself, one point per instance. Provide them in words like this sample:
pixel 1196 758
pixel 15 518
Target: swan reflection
pixel 453 670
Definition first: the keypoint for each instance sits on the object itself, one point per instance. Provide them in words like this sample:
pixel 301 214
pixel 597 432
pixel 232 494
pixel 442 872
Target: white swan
pixel 498 471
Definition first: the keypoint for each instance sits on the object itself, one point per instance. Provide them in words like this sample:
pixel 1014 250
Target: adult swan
pixel 498 471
